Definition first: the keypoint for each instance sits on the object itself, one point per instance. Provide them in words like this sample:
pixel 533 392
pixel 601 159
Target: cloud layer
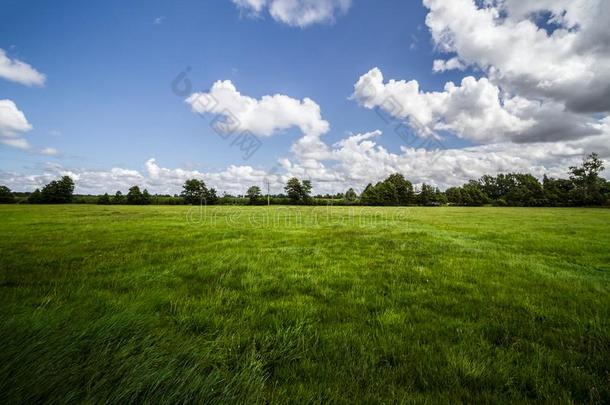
pixel 351 162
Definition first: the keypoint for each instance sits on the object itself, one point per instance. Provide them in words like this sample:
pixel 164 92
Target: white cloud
pixel 12 120
pixel 570 64
pixel 263 117
pixel 159 20
pixel 12 125
pixel 297 13
pixel 440 65
pixel 20 72
pixel 475 110
pixel 18 143
pixel 157 179
pixel 49 151
pixel 352 162
pixel 359 159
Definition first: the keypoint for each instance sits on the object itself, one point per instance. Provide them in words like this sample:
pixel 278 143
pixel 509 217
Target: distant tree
pixel 6 196
pixel 557 192
pixel 351 196
pixel 525 190
pixel 386 192
pixel 211 196
pixel 306 191
pixel 58 191
pixel 134 196
pixel 118 198
pixel 104 199
pixel 588 184
pixel 195 192
pixel 146 199
pixel 404 189
pixel 440 197
pixel 394 190
pixel 299 193
pixel 473 195
pixel 369 195
pixel 427 195
pixel 253 194
pixel 491 186
pixel 35 197
pixel 454 195
pixel 293 189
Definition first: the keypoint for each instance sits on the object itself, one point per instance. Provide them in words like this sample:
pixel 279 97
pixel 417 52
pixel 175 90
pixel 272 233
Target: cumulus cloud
pixel 546 66
pixel 569 64
pixel 352 162
pixel 157 179
pixel 359 159
pixel 475 110
pixel 296 13
pixel 12 125
pixel 263 117
pixel 17 71
pixel 440 65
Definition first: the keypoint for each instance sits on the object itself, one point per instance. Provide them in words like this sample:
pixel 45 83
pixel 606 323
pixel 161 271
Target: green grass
pixel 131 304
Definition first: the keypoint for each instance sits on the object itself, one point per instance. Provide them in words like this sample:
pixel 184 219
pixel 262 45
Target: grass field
pixel 238 304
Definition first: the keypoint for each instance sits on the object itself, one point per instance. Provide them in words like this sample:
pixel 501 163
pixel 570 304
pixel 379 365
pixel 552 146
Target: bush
pixel 6 196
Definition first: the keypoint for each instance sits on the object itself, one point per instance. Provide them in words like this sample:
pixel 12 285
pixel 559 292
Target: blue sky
pixel 107 101
pixel 109 70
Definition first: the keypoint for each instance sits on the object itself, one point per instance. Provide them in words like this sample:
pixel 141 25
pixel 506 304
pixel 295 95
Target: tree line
pixel 584 187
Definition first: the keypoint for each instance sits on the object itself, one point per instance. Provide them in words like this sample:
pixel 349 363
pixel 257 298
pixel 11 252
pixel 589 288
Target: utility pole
pixel 268 198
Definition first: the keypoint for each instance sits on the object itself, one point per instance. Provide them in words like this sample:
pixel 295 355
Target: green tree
pixel 369 195
pixel 525 190
pixel 557 192
pixel 472 194
pixel 588 184
pixel 394 190
pixel 351 196
pixel 58 191
pixel 118 198
pixel 404 189
pixel 454 195
pixel 306 191
pixel 254 194
pixel 386 193
pixel 427 195
pixel 6 196
pixel 440 197
pixel 195 192
pixel 146 199
pixel 134 196
pixel 35 197
pixel 211 196
pixel 299 193
pixel 103 199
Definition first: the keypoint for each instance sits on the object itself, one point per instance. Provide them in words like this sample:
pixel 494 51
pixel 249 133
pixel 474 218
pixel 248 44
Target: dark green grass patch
pixel 301 304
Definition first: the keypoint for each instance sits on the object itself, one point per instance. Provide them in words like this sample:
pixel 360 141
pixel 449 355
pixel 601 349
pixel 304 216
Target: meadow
pixel 225 304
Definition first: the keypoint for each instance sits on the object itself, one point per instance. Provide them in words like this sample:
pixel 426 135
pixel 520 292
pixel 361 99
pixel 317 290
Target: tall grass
pixel 303 304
